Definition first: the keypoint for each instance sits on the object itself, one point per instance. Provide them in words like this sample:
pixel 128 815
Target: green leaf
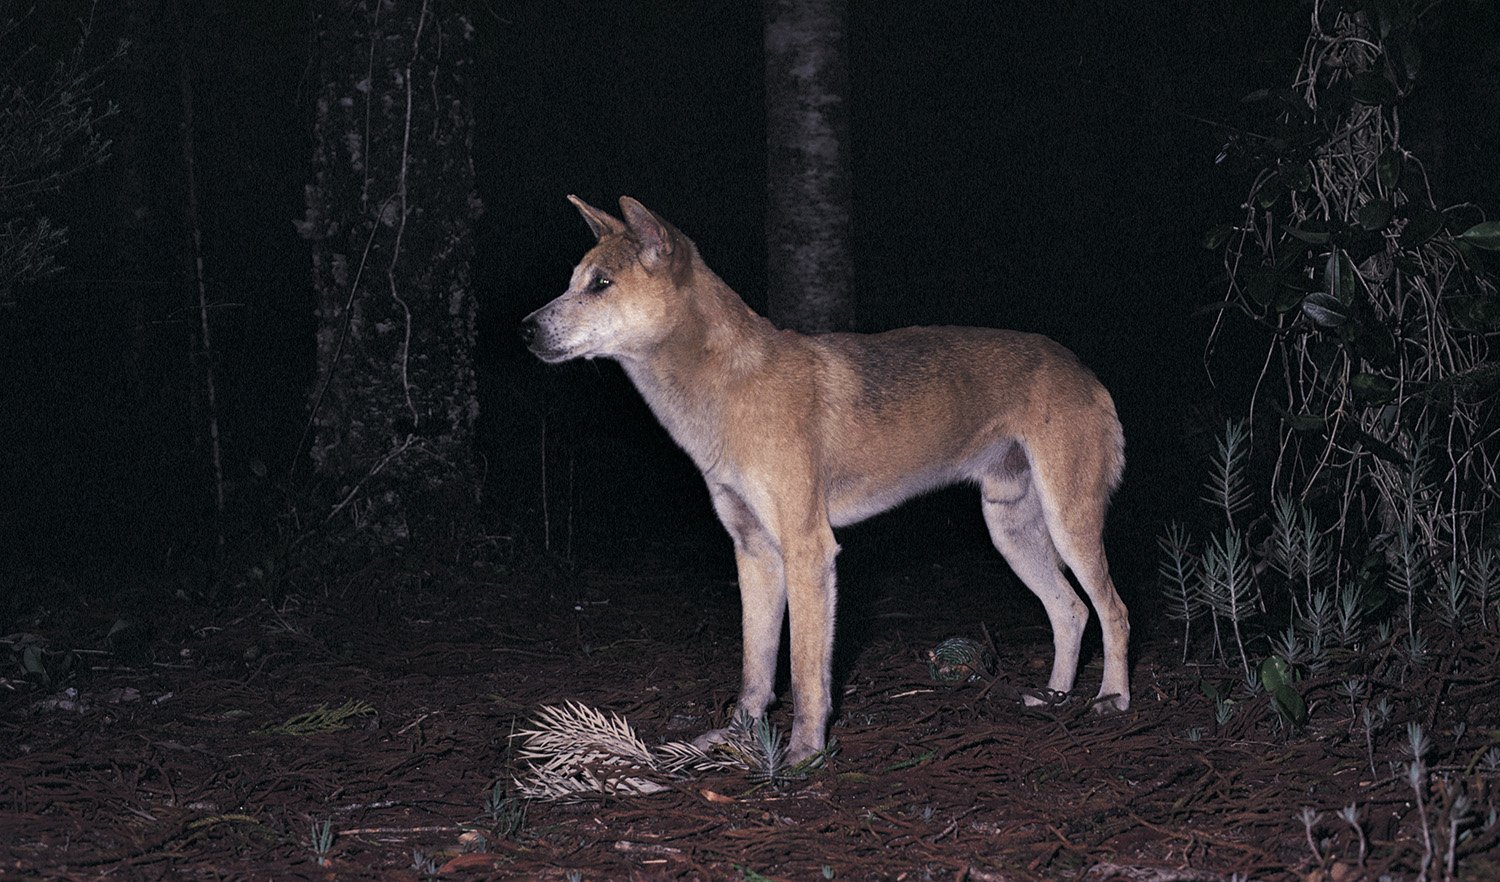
pixel 1371 87
pixel 1276 677
pixel 1267 195
pixel 1388 168
pixel 1275 673
pixel 1372 388
pixel 1289 294
pixel 1485 235
pixel 1304 422
pixel 1310 236
pixel 1324 309
pixel 32 661
pixel 1374 215
pixel 1300 422
pixel 1341 276
pixel 1215 238
pixel 1423 226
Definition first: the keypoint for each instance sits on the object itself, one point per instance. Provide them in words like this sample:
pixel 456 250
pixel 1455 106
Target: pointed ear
pixel 598 221
pixel 650 230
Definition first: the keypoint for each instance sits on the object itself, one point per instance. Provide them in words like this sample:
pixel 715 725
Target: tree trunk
pixel 197 284
pixel 389 209
pixel 807 215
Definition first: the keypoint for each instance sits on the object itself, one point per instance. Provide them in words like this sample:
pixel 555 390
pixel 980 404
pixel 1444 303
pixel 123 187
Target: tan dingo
pixel 799 434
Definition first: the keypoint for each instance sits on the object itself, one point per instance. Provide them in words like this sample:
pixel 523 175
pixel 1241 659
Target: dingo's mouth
pixel 551 356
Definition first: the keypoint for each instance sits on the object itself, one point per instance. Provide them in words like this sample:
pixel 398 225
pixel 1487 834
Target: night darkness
pixel 1040 170
pixel 1048 167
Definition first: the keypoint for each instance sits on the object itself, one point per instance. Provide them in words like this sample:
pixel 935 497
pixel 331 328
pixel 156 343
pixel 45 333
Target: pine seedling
pixel 1178 569
pixel 1417 742
pixel 1414 649
pixel 1309 818
pixel 769 754
pixel 1223 709
pixel 1352 689
pixel 423 863
pixel 1451 608
pixel 1418 482
pixel 1297 547
pixel 1482 574
pixel 1416 776
pixel 1226 488
pixel 1319 625
pixel 1350 611
pixel 758 747
pixel 1288 645
pixel 1350 815
pixel 320 841
pixel 1228 587
pixel 1458 812
pixel 1407 577
pixel 1374 719
pixel 1283 533
pixel 505 811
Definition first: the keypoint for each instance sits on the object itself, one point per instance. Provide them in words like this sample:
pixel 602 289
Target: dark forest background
pixel 1043 166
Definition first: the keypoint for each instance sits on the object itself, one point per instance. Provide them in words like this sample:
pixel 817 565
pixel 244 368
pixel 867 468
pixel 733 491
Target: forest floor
pixel 165 752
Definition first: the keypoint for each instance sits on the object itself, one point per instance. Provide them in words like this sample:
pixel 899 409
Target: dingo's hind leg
pixel 1083 552
pixel 1073 498
pixel 1018 527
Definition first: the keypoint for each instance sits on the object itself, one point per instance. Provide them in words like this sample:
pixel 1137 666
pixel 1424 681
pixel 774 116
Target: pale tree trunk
pixel 807 215
pixel 389 213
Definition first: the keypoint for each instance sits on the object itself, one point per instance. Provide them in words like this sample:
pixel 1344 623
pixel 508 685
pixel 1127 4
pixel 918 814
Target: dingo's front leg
pixel 811 595
pixel 762 606
pixel 762 579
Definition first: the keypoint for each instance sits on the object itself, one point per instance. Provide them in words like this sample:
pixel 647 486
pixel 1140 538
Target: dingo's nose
pixel 528 329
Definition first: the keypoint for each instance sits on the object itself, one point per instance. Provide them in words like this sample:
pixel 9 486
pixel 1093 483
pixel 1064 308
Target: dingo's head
pixel 625 295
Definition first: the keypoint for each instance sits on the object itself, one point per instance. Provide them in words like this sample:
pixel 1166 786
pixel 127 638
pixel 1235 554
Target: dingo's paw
pixel 798 754
pixel 1043 697
pixel 1110 703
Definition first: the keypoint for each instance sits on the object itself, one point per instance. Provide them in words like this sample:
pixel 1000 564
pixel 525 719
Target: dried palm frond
pixel 577 751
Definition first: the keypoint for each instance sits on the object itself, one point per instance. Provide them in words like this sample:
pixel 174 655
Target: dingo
pixel 799 434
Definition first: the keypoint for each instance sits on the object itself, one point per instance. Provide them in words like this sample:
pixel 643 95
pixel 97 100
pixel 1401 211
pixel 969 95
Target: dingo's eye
pixel 599 284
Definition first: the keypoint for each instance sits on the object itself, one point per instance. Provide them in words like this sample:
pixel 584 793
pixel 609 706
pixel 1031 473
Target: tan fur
pixel 799 434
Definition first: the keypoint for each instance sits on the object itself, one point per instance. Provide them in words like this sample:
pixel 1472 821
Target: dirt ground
pixel 164 760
